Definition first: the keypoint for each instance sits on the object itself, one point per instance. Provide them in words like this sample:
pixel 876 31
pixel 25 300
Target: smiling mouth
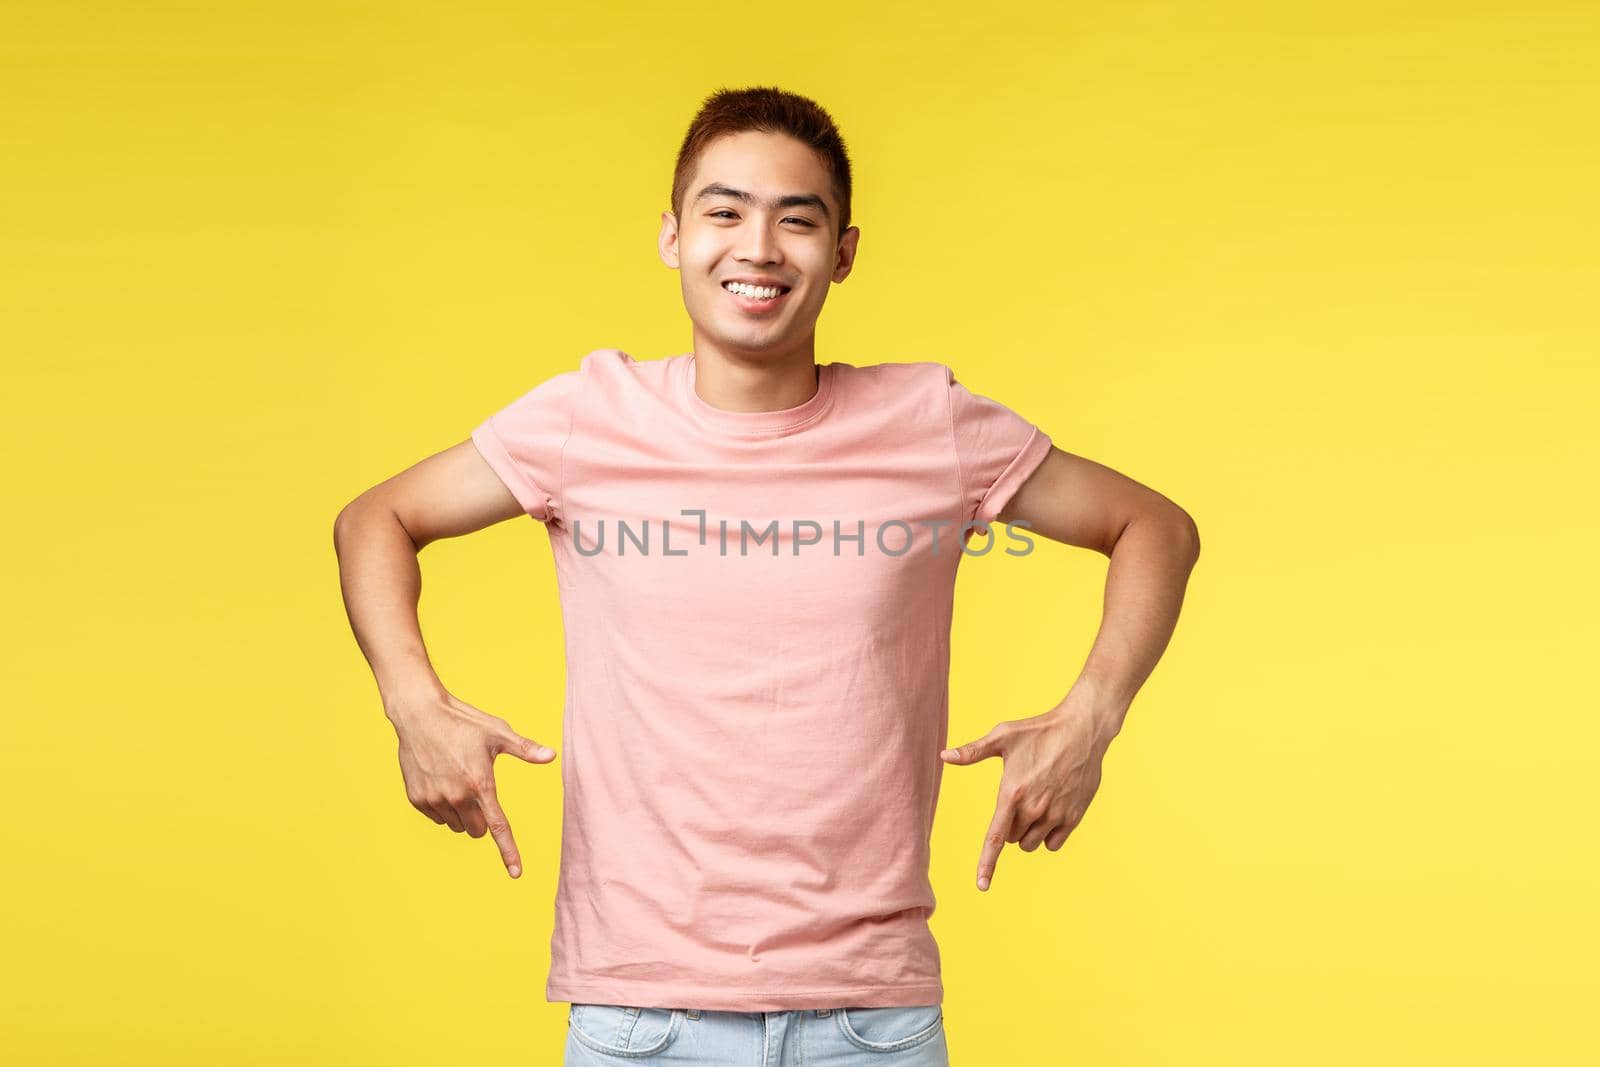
pixel 757 298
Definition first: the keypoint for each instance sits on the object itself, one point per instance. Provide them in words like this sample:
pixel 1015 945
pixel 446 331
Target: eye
pixel 723 212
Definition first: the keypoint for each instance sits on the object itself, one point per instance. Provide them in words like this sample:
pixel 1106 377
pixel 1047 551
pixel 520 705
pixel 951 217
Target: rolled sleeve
pixel 996 450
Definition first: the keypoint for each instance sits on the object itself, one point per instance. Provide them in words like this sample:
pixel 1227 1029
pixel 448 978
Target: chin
pixel 756 341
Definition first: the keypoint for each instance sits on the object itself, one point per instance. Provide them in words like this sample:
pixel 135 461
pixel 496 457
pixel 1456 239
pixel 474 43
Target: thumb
pixel 526 749
pixel 973 751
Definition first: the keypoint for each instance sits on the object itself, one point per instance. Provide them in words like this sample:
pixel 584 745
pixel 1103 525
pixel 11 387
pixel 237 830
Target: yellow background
pixel 1326 278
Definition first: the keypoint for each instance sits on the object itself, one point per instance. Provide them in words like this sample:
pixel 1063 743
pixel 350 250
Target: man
pixel 756 558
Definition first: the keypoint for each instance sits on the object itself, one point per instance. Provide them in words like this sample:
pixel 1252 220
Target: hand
pixel 1052 770
pixel 447 752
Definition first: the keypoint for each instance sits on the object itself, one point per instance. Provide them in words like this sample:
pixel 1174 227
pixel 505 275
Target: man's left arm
pixel 1052 761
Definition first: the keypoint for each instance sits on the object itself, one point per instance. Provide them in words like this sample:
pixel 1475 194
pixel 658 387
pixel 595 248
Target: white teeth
pixel 759 292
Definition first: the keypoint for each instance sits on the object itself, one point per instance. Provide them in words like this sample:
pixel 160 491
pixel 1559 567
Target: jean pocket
pixel 620 1030
pixel 890 1029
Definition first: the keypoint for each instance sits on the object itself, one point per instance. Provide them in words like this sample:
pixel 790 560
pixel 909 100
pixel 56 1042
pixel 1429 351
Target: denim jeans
pixel 615 1034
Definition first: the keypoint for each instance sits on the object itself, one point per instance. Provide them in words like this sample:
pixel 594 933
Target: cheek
pixel 819 267
pixel 701 250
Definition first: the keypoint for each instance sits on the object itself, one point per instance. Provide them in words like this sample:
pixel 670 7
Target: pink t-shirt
pixel 756 609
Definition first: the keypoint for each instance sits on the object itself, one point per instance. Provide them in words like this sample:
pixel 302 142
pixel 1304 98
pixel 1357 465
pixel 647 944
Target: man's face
pixel 760 206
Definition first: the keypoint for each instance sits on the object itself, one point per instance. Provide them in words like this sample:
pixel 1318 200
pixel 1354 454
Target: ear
pixel 847 253
pixel 667 242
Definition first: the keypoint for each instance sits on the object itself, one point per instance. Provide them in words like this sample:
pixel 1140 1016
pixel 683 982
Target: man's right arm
pixel 377 537
pixel 447 746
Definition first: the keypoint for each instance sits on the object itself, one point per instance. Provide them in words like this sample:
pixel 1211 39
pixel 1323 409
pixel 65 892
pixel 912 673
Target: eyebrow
pixel 792 200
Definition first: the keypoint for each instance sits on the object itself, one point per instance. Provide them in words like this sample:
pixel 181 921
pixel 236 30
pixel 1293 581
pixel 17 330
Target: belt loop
pixel 694 1013
pixel 823 1013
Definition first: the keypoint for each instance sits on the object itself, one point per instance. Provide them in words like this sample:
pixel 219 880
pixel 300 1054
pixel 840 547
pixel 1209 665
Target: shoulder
pixel 555 396
pixel 914 382
pixel 613 374
pixel 603 361
pixel 603 370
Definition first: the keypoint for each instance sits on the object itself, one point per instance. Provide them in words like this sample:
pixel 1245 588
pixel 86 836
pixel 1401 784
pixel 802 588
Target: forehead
pixel 767 164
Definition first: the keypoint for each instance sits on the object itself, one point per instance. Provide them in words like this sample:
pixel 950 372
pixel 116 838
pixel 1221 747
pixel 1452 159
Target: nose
pixel 760 245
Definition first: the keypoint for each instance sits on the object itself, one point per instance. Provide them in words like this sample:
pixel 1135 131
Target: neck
pixel 740 379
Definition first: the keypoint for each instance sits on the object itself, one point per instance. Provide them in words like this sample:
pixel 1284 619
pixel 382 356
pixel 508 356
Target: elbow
pixel 1165 523
pixel 341 527
pixel 1187 533
pixel 369 511
pixel 345 522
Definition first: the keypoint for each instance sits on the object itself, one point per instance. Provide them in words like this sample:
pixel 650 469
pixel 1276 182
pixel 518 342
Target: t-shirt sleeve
pixel 996 450
pixel 523 442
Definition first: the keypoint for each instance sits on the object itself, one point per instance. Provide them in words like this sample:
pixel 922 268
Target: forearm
pixel 381 581
pixel 1150 566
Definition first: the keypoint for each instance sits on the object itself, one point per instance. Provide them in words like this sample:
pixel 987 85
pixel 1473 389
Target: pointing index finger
pixel 500 829
pixel 993 842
